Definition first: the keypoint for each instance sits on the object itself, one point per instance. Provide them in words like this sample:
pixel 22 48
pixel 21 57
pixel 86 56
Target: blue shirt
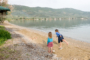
pixel 49 40
pixel 58 34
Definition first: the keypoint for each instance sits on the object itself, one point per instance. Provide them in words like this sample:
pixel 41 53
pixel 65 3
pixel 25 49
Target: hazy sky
pixel 83 5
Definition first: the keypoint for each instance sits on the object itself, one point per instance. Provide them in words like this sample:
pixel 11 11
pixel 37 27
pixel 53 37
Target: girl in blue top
pixel 60 38
pixel 50 42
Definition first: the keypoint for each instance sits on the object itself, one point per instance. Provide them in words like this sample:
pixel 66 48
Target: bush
pixel 4 35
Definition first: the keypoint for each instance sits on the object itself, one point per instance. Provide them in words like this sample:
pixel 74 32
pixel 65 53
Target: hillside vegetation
pixel 25 11
pixel 4 35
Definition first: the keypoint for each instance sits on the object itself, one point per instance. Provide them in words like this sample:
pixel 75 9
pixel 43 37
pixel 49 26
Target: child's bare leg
pixel 65 41
pixel 60 45
pixel 48 49
pixel 51 49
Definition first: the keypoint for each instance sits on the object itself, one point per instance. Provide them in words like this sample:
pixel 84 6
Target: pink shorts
pixel 50 44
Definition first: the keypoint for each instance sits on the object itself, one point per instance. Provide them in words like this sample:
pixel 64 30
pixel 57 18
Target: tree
pixel 4 3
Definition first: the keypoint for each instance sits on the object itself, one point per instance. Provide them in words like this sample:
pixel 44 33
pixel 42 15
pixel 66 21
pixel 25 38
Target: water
pixel 76 29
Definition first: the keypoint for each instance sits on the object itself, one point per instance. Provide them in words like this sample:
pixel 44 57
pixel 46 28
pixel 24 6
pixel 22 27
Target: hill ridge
pixel 20 10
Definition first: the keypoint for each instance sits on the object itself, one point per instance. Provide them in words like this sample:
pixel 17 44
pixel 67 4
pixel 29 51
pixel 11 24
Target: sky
pixel 83 5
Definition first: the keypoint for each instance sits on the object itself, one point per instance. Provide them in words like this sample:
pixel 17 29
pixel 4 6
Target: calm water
pixel 76 29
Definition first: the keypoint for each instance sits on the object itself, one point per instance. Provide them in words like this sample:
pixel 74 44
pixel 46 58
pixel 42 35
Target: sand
pixel 76 50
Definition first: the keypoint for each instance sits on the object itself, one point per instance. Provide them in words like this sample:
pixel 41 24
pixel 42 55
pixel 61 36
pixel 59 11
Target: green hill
pixel 25 11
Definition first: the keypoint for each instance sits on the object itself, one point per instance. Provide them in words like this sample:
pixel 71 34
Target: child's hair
pixel 56 30
pixel 50 34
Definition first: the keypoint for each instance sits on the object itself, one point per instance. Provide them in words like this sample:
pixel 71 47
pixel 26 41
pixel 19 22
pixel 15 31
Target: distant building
pixel 3 13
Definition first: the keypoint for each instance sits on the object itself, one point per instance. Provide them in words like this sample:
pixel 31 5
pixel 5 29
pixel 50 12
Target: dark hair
pixel 56 30
pixel 50 34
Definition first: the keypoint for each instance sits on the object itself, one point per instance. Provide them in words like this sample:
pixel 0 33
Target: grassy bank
pixel 4 35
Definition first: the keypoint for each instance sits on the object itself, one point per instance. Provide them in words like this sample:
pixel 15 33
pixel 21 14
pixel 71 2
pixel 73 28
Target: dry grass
pixel 8 53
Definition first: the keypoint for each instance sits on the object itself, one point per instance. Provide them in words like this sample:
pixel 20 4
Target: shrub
pixel 4 35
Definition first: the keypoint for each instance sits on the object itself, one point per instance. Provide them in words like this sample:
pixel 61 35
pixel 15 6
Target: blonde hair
pixel 50 34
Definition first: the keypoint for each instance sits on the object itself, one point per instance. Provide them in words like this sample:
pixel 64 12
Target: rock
pixel 53 51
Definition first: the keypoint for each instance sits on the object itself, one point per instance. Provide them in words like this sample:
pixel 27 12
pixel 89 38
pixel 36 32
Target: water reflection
pixel 52 23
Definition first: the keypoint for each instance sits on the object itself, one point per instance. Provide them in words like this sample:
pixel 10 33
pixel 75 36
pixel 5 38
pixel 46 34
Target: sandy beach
pixel 76 50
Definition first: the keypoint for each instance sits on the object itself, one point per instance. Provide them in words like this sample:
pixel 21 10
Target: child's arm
pixel 60 35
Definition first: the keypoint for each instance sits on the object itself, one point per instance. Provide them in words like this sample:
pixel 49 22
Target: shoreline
pixel 75 49
pixel 82 40
pixel 53 34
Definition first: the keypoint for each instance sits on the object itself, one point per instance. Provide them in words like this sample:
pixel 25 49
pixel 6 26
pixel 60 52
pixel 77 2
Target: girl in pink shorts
pixel 50 42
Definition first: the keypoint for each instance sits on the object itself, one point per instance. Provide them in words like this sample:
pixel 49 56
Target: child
pixel 60 38
pixel 50 42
